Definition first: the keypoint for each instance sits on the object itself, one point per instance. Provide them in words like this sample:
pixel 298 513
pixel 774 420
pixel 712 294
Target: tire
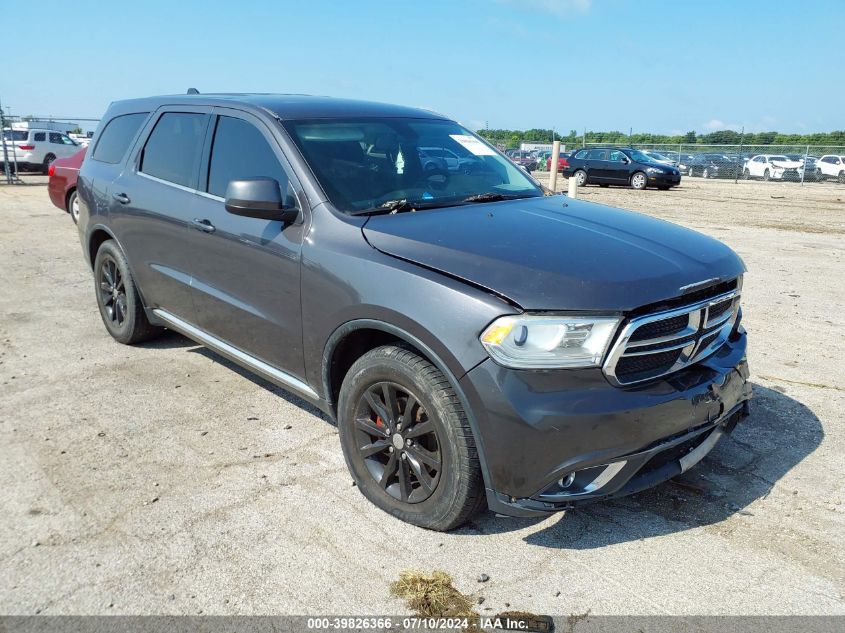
pixel 45 166
pixel 639 180
pixel 705 173
pixel 580 177
pixel 73 206
pixel 380 453
pixel 766 175
pixel 841 177
pixel 746 175
pixel 118 300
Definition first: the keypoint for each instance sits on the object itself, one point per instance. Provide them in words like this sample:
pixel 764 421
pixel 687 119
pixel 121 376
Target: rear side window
pixel 15 135
pixel 115 138
pixel 39 137
pixel 240 151
pixel 598 154
pixel 173 149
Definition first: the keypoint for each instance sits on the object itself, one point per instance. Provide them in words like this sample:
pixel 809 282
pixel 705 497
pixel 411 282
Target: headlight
pixel 544 342
pixel 654 170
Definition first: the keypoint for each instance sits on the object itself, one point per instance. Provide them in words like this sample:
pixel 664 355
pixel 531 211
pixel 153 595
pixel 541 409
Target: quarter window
pixel 241 151
pixel 115 138
pixel 582 154
pixel 172 152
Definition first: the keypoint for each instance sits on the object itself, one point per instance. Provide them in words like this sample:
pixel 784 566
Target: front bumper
pixel 536 428
pixel 664 180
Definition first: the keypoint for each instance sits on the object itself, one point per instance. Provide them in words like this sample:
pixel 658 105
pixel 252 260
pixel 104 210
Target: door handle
pixel 203 225
pixel 122 198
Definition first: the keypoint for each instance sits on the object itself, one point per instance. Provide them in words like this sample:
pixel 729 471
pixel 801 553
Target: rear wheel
pixel 841 177
pixel 73 207
pixel 638 180
pixel 580 177
pixel 117 297
pixel 407 441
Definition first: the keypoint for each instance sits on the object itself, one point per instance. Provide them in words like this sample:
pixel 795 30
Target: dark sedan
pixel 620 166
pixel 714 166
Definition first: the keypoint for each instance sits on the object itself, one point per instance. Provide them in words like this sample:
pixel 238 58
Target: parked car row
pixel 748 165
pixel 744 165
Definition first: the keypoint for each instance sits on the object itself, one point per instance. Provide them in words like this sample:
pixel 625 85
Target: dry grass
pixel 432 595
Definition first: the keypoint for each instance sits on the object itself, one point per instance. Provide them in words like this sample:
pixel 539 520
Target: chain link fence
pixel 794 163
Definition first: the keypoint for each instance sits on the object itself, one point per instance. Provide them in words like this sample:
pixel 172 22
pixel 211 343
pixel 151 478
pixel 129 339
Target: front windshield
pixel 641 157
pixel 778 158
pixel 369 162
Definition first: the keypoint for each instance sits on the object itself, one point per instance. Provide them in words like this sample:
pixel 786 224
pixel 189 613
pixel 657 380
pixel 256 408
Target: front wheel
pixel 407 441
pixel 706 173
pixel 73 207
pixel 746 175
pixel 580 177
pixel 766 175
pixel 638 180
pixel 117 297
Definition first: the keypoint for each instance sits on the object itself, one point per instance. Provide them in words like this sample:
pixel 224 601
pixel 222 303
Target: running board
pixel 276 376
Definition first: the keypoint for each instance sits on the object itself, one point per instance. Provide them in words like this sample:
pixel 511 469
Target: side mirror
pixel 259 198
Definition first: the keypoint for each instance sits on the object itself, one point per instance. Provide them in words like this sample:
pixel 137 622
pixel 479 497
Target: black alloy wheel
pixel 112 291
pixel 397 442
pixel 117 297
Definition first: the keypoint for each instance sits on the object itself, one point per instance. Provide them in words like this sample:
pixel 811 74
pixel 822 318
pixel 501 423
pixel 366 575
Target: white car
pixel 772 167
pixel 36 149
pixel 831 166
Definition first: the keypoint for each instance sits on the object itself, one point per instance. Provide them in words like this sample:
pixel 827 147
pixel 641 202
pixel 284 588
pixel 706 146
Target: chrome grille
pixel 657 344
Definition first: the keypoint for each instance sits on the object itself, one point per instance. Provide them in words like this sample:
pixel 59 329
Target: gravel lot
pixel 160 479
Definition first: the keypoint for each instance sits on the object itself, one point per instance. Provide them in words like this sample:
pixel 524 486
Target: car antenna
pixel 193 91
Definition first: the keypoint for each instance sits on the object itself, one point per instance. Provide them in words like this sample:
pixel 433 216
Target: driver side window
pixel 240 151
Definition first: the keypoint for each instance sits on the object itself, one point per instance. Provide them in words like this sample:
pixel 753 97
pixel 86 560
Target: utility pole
pixel 6 168
pixel 740 165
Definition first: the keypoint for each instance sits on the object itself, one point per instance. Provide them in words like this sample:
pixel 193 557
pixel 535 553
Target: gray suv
pixel 477 341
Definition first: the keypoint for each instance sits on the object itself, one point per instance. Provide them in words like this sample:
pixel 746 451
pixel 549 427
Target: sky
pixel 657 66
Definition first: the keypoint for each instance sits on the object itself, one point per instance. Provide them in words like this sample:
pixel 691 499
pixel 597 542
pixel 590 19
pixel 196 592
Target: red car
pixel 62 186
pixel 562 163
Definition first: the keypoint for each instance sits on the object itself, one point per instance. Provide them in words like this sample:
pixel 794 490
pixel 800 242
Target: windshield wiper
pixel 398 206
pixel 493 197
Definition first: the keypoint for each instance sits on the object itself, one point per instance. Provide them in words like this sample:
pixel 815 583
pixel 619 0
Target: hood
pixel 553 253
pixel 787 164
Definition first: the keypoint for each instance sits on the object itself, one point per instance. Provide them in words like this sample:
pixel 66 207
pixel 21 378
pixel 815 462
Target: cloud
pixel 560 8
pixel 716 124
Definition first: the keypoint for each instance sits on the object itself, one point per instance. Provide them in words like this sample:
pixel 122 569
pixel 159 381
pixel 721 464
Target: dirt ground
pixel 160 479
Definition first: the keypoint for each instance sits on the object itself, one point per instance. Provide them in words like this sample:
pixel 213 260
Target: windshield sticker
pixel 427 196
pixel 473 144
